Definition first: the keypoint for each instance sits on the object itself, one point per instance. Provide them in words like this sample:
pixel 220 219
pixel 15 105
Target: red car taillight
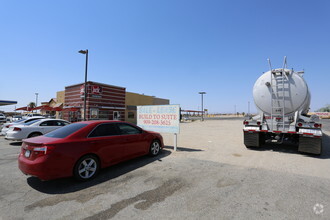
pixel 317 125
pixel 33 152
pixel 17 129
pixel 40 151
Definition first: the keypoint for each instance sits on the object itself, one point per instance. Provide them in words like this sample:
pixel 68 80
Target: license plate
pixel 27 153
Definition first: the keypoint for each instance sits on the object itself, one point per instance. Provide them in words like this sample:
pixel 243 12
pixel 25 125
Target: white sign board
pixel 159 118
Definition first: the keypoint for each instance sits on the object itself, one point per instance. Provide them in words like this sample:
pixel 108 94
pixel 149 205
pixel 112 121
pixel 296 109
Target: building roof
pixel 102 84
pixel 152 96
pixel 52 99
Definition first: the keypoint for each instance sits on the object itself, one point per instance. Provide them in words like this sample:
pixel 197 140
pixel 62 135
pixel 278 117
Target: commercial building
pixel 134 99
pixel 103 102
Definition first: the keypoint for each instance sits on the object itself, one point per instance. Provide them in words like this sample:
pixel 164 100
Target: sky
pixel 170 49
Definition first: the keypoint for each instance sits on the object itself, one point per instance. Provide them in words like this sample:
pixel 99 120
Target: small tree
pixel 32 105
pixel 324 109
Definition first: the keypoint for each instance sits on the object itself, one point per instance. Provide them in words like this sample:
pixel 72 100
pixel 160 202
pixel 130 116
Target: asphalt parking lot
pixel 211 176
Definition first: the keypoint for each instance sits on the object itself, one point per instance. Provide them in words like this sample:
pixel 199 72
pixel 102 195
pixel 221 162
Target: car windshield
pixel 31 122
pixel 66 130
pixel 32 119
pixel 21 120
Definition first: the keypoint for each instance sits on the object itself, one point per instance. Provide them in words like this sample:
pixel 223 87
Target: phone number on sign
pixel 157 122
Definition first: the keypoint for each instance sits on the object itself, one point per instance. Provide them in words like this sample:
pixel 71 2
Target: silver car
pixel 2 118
pixel 5 127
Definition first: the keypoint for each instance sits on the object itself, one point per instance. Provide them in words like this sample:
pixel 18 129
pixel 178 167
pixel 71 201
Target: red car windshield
pixel 65 131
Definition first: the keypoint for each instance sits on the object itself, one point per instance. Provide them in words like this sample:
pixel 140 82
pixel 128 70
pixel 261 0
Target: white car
pixel 2 118
pixel 40 127
pixel 16 118
pixel 5 127
pixel 31 115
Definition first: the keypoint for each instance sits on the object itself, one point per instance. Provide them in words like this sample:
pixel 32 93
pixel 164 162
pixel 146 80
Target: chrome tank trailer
pixel 296 93
pixel 283 99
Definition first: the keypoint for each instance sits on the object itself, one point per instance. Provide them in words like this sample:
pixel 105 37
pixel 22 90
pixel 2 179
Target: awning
pixel 58 107
pixel 71 109
pixel 6 102
pixel 24 109
pixel 43 108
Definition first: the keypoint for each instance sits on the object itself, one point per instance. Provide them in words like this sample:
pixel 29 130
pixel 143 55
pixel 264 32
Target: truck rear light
pixel 300 124
pixel 258 123
pixel 246 122
pixel 317 125
pixel 17 129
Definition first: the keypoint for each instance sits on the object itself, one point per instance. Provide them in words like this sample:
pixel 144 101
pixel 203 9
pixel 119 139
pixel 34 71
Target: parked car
pixel 5 127
pixel 2 118
pixel 82 148
pixel 31 115
pixel 16 118
pixel 34 128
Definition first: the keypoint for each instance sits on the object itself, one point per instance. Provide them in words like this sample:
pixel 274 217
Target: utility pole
pixel 36 100
pixel 202 93
pixel 85 84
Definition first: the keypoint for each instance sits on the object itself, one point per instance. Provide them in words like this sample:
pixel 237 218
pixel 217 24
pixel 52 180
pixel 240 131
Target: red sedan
pixel 81 149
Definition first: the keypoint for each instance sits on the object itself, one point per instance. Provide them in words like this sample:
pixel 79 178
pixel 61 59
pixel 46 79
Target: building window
pixel 130 115
pixel 94 113
pixel 74 116
pixel 104 114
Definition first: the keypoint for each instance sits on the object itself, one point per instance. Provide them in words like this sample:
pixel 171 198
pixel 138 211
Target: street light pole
pixel 202 93
pixel 85 84
pixel 36 99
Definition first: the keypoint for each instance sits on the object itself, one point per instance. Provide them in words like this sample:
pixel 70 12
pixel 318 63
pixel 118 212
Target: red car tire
pixel 86 168
pixel 154 148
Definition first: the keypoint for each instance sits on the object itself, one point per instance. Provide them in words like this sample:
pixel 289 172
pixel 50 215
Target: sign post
pixel 175 141
pixel 160 118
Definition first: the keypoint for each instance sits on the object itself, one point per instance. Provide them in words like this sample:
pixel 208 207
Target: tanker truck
pixel 282 99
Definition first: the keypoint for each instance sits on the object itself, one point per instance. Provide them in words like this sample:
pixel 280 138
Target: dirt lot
pixel 211 176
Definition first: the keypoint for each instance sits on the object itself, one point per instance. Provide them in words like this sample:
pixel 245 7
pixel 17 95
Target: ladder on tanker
pixel 278 81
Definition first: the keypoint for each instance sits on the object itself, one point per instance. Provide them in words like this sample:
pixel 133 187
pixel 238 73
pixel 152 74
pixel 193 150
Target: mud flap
pixel 253 139
pixel 310 145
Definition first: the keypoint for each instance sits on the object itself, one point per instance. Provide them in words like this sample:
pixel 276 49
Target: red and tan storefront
pixel 103 102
